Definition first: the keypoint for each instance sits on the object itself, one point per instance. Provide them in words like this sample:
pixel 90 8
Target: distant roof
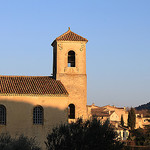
pixel 32 85
pixel 93 105
pixel 100 112
pixel 70 36
pixel 113 107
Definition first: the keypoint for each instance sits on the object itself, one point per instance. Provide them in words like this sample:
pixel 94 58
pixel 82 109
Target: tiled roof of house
pixel 114 107
pixel 100 112
pixel 34 85
pixel 70 36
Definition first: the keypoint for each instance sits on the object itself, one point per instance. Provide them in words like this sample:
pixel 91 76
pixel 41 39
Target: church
pixel 33 105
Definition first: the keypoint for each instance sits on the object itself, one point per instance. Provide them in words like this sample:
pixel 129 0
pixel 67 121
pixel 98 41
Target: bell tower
pixel 69 66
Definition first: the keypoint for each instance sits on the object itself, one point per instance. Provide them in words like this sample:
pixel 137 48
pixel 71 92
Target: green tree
pixel 131 118
pixel 83 136
pixel 18 143
pixel 122 121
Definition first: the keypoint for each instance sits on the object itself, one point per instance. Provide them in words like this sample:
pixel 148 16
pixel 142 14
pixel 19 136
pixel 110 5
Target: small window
pixel 71 59
pixel 2 115
pixel 38 115
pixel 124 134
pixel 71 111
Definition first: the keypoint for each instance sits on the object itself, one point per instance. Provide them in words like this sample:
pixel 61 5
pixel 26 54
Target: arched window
pixel 71 59
pixel 71 111
pixel 2 114
pixel 38 115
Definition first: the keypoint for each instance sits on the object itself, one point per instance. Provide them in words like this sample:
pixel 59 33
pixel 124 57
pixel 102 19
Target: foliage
pixel 122 121
pixel 131 119
pixel 144 106
pixel 18 143
pixel 142 136
pixel 83 136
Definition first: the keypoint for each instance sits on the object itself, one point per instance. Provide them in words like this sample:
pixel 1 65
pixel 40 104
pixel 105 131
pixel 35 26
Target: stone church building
pixel 33 105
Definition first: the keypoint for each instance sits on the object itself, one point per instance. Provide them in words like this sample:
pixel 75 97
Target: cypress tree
pixel 122 121
pixel 131 119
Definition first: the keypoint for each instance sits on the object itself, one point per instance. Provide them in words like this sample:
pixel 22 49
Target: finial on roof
pixel 93 104
pixel 68 28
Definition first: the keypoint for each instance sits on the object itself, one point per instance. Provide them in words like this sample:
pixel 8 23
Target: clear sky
pixel 118 51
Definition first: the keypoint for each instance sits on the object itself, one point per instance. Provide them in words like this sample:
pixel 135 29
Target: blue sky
pixel 118 51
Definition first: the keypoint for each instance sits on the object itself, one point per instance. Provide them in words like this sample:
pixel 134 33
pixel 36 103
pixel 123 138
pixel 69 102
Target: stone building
pixel 119 111
pixel 142 121
pixel 33 105
pixel 108 112
pixel 102 114
pixel 113 115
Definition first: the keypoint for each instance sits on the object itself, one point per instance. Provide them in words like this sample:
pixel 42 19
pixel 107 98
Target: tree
pixel 131 119
pixel 18 143
pixel 83 136
pixel 122 121
pixel 142 136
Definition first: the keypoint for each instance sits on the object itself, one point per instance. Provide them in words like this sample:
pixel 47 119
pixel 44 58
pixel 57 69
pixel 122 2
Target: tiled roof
pixel 70 36
pixel 114 107
pixel 100 112
pixel 34 85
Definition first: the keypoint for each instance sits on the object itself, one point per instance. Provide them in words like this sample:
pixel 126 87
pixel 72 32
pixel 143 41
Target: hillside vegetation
pixel 143 107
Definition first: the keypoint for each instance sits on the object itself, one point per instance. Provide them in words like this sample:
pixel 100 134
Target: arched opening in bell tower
pixel 71 58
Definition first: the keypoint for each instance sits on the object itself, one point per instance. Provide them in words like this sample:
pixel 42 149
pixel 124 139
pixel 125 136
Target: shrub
pixel 83 136
pixel 18 143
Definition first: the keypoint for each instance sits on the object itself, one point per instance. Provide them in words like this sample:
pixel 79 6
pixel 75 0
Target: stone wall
pixel 19 115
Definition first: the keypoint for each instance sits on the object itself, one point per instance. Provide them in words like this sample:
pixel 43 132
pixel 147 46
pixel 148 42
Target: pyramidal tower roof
pixel 70 36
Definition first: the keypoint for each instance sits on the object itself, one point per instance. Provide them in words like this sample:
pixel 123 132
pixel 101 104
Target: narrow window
pixel 71 111
pixel 38 115
pixel 124 134
pixel 71 59
pixel 2 115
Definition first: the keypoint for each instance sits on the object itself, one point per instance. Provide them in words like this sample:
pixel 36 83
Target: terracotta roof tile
pixel 31 85
pixel 70 36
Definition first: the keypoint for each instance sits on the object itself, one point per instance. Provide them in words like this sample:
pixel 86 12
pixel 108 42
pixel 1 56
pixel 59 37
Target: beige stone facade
pixel 19 117
pixel 56 95
pixel 119 112
pixel 113 115
pixel 73 78
pixel 109 112
pixel 141 121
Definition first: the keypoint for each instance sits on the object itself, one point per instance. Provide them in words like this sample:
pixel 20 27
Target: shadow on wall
pixel 21 118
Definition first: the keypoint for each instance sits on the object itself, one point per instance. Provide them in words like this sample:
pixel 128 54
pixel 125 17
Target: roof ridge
pixel 64 33
pixel 22 76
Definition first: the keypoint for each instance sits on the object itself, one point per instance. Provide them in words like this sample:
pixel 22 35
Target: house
pixel 111 112
pixel 120 112
pixel 123 133
pixel 141 121
pixel 104 113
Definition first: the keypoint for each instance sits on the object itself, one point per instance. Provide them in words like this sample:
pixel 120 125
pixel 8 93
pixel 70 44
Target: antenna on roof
pixel 68 28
